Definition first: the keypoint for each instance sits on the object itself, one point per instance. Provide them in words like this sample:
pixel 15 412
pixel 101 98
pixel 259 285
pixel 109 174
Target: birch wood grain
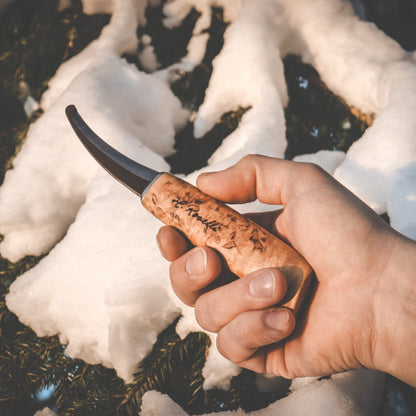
pixel 244 245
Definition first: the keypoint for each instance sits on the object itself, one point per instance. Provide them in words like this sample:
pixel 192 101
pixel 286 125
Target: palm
pixel 326 340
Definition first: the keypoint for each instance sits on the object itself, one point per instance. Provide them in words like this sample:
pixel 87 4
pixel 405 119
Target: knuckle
pixel 222 346
pixel 251 158
pixel 184 291
pixel 311 170
pixel 234 345
pixel 310 175
pixel 204 315
pixel 276 365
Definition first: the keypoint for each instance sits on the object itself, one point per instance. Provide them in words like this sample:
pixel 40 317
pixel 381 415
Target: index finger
pixel 270 180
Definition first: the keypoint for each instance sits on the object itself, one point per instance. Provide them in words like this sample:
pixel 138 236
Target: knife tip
pixel 70 110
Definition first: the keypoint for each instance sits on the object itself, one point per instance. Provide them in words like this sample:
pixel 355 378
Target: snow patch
pixel 103 287
pixel 348 394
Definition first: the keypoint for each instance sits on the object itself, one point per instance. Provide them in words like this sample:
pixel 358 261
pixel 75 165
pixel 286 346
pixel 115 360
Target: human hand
pixel 350 322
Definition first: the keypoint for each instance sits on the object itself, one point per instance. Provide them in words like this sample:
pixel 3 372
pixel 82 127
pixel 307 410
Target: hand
pixel 353 319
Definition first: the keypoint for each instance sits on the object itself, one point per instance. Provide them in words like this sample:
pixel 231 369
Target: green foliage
pixel 34 40
pixel 191 153
pixel 175 367
pixel 316 118
pixel 30 363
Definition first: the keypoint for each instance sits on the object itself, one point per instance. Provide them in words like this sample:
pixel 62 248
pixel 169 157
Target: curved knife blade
pixel 130 173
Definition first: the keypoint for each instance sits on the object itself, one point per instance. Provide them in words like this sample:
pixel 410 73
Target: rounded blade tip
pixel 70 109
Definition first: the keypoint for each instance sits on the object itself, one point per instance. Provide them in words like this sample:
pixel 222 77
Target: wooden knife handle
pixel 245 246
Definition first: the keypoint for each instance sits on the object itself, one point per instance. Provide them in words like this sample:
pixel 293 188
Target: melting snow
pixel 103 287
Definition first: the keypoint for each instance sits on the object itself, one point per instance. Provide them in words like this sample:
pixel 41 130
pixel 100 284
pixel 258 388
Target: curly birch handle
pixel 245 246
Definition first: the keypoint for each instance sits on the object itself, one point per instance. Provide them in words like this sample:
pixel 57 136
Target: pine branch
pixel 174 367
pixel 34 42
pixel 316 119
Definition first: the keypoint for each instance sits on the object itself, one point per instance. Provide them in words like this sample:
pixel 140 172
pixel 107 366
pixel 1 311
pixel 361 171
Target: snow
pixel 370 71
pixel 30 105
pixel 251 42
pixel 326 159
pixel 402 200
pixel 45 412
pixel 345 395
pixel 103 286
pixel 36 216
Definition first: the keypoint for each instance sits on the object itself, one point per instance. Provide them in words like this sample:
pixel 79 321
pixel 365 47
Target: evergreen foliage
pixel 34 40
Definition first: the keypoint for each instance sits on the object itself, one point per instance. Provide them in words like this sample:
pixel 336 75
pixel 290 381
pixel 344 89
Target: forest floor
pixel 35 39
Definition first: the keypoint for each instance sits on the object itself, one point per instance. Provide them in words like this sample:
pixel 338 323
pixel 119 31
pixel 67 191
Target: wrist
pixel 394 336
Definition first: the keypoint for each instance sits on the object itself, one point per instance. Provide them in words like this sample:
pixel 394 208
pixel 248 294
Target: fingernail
pixel 196 263
pixel 262 286
pixel 277 319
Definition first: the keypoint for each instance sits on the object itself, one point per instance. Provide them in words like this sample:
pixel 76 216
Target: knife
pixel 243 244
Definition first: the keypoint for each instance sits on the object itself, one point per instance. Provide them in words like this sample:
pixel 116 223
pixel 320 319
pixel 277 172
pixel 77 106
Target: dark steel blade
pixel 130 173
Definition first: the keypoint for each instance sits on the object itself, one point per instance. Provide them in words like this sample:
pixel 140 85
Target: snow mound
pixel 103 287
